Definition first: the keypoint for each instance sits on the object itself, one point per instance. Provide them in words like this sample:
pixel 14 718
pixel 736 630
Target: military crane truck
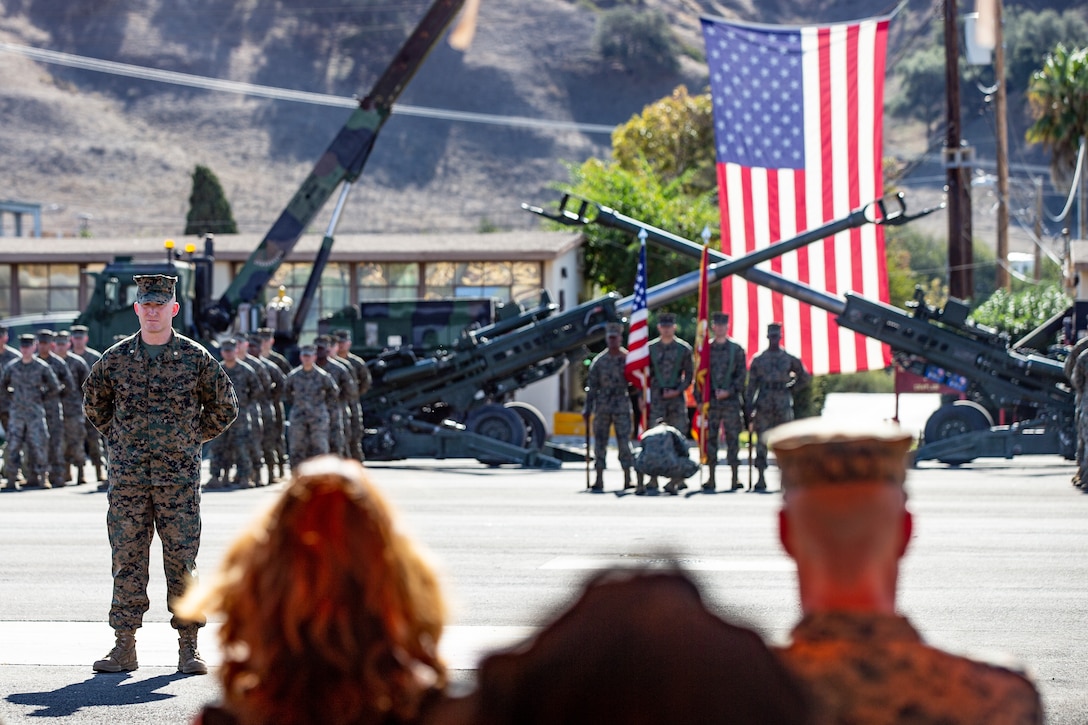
pixel 941 345
pixel 240 309
pixel 455 404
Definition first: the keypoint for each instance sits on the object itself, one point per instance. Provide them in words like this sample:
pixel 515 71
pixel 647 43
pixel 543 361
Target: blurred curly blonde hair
pixel 331 614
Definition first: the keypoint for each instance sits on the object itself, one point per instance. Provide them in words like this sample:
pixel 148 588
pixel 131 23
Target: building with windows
pixel 51 275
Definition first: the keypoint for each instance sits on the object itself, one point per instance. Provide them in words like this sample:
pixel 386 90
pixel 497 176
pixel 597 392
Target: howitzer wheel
pixel 495 421
pixel 948 421
pixel 536 428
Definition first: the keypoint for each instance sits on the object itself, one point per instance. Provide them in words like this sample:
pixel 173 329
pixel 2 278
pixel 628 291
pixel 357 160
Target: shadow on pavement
pixel 101 690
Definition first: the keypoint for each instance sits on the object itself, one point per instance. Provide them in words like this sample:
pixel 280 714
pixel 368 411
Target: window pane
pixel 33 300
pixel 64 299
pixel 33 275
pixel 439 274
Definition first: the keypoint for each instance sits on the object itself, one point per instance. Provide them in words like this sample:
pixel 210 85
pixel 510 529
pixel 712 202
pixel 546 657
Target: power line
pixel 283 94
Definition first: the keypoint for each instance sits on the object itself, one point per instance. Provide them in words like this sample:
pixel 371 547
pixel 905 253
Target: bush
pixel 637 41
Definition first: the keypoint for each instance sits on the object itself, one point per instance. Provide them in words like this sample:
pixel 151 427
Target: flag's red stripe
pixel 803 271
pixel 726 242
pixel 749 246
pixel 774 229
pixel 823 36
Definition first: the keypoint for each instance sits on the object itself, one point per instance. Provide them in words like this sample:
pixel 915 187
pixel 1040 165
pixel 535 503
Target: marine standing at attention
pixel 609 402
pixel 156 396
pixel 25 384
pixel 311 392
pixel 728 371
pixel 671 372
pixel 772 380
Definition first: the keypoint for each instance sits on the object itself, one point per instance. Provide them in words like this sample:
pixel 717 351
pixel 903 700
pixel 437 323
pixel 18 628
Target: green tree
pixel 1018 313
pixel 209 210
pixel 1058 97
pixel 638 41
pixel 611 256
pixel 1028 35
pixel 921 93
pixel 675 135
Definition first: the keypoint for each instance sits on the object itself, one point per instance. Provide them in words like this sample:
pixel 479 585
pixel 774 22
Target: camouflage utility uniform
pixel 671 368
pixel 728 369
pixel 155 405
pixel 258 409
pixel 664 453
pixel 7 354
pixel 92 438
pixel 311 394
pixel 340 409
pixel 54 417
pixel 1079 380
pixel 875 668
pixel 607 399
pixel 772 379
pixel 24 389
pixel 234 446
pixel 75 425
pixel 272 417
pixel 362 384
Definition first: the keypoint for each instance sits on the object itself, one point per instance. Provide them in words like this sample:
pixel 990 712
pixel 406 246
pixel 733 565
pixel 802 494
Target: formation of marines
pixel 755 399
pixel 50 443
pixel 322 394
pixel 41 410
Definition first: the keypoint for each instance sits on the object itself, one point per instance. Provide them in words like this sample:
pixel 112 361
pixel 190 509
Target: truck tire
pixel 495 421
pixel 536 428
pixel 962 416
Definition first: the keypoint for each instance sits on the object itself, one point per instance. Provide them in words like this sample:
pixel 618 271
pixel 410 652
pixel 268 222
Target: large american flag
pixel 637 365
pixel 798 129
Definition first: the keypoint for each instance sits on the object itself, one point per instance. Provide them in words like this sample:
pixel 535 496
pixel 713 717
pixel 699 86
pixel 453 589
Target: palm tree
pixel 1058 95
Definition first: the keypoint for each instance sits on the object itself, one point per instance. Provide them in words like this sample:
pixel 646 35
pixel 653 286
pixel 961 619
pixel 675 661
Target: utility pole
pixel 1037 182
pixel 1002 149
pixel 961 278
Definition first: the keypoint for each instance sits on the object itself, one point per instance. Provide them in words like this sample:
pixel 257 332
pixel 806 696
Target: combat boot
pixel 598 485
pixel 640 487
pixel 80 480
pixel 122 658
pixel 627 479
pixel 652 485
pixel 711 483
pixel 736 478
pixel 761 484
pixel 189 660
pixel 673 486
pixel 99 475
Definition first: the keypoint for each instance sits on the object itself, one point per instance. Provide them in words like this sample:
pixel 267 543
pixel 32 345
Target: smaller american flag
pixel 637 366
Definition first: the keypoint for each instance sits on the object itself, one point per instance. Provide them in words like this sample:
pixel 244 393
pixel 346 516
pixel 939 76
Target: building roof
pixel 499 246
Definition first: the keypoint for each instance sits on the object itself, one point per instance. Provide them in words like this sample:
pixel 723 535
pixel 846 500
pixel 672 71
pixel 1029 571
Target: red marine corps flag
pixel 798 116
pixel 637 366
pixel 702 357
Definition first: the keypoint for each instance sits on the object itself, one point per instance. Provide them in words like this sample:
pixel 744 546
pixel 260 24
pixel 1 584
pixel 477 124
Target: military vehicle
pixel 456 404
pixel 425 325
pixel 941 345
pixel 240 308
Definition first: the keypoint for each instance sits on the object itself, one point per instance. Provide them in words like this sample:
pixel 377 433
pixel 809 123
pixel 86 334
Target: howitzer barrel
pixel 685 284
pixel 889 210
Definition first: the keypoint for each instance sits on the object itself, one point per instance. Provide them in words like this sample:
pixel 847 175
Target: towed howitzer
pixel 450 405
pixel 942 346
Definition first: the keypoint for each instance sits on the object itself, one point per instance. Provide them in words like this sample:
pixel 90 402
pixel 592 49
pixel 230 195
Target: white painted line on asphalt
pixel 691 564
pixel 66 644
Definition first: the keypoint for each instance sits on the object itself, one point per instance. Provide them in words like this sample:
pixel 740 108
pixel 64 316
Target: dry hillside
pixel 119 151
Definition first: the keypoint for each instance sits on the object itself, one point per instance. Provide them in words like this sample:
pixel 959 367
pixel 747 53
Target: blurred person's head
pixel 844 519
pixel 331 614
pixel 637 648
